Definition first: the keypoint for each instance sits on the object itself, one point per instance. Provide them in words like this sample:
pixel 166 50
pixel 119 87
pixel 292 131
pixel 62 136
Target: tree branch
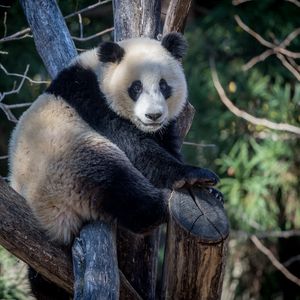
pixel 176 15
pixel 279 266
pixel 25 32
pixel 244 115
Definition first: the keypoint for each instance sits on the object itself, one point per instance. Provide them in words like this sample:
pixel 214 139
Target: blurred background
pixel 243 73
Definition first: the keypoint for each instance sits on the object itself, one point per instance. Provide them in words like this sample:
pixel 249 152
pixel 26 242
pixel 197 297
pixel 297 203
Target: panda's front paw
pixel 216 194
pixel 196 176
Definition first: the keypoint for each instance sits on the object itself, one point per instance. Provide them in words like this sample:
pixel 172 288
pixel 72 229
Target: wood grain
pixel 196 246
pixel 136 18
pixel 176 15
pixel 97 275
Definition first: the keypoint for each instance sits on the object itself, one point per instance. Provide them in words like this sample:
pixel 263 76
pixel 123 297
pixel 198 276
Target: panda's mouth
pixel 153 124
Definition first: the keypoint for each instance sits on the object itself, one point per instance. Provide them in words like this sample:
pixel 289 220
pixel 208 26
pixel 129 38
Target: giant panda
pixel 101 141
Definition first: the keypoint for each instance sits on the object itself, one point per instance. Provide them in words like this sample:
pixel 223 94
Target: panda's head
pixel 143 79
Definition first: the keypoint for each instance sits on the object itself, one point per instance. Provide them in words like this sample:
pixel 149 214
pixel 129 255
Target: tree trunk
pixel 137 255
pixel 196 246
pixel 51 35
pixel 96 273
pixel 21 236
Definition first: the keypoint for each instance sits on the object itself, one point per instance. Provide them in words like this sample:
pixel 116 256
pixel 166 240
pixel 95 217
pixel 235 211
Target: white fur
pixel 145 60
pixel 50 133
pixel 148 61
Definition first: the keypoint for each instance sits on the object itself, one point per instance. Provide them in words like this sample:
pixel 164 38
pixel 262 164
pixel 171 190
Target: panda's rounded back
pixel 42 136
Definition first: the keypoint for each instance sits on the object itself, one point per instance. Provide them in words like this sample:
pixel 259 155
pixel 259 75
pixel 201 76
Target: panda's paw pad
pixel 216 194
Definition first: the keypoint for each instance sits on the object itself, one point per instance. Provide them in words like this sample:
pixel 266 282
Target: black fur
pixel 135 90
pixel 175 43
pixel 165 89
pixel 110 52
pixel 154 155
pixel 130 190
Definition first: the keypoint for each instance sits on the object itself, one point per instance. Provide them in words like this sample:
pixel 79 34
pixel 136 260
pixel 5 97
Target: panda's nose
pixel 153 117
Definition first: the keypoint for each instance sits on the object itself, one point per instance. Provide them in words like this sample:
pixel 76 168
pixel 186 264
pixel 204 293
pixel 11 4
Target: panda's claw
pixel 193 176
pixel 216 194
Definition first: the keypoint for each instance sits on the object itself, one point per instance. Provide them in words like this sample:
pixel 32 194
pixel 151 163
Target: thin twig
pixel 80 25
pixel 253 61
pixel 239 234
pixel 18 105
pixel 279 266
pixel 84 39
pixel 86 9
pixel 4 157
pixel 252 32
pixel 22 75
pixel 286 42
pixel 15 90
pixel 293 63
pixel 5 107
pixel 199 145
pixel 244 115
pixel 238 2
pixel 288 66
pixel 4 24
pixel 291 260
pixel 261 40
pixel 297 3
pixel 9 115
pixel 25 32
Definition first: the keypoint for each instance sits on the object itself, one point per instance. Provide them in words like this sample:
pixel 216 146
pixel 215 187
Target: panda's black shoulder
pixel 74 83
pixel 79 88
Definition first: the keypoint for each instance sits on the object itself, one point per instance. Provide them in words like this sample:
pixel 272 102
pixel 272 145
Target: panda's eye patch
pixel 165 89
pixel 135 89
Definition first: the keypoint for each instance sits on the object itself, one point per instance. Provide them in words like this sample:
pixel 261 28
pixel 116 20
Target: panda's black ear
pixel 110 52
pixel 175 43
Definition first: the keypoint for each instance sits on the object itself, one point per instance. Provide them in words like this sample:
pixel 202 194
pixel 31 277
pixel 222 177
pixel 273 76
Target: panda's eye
pixel 135 89
pixel 165 88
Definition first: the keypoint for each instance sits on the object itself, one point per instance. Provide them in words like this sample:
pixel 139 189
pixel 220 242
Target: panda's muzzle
pixel 154 116
pixel 152 124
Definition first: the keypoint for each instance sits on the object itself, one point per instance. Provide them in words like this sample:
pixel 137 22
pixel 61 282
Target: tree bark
pixel 176 15
pixel 97 275
pixel 21 235
pixel 196 246
pixel 51 35
pixel 135 18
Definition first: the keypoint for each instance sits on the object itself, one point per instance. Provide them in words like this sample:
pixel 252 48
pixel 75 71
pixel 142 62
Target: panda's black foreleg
pixel 136 203
pixel 43 289
pixel 163 169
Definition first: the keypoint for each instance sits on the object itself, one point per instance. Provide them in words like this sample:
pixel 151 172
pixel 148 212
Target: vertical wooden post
pixel 196 246
pixel 96 276
pixel 137 254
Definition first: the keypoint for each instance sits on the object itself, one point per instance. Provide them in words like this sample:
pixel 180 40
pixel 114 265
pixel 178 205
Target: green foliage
pixel 13 285
pixel 254 162
pixel 259 167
